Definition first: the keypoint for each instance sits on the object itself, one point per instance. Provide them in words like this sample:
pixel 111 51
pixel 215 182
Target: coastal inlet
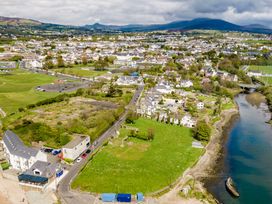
pixel 247 155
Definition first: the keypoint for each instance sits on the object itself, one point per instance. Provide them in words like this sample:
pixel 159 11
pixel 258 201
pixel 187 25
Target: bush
pixel 69 161
pixel 202 131
pixel 131 117
pixel 143 136
pixel 5 165
pixel 21 109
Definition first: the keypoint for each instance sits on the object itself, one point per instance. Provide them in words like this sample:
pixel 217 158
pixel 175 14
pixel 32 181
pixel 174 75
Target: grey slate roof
pixel 17 147
pixel 77 140
pixel 47 169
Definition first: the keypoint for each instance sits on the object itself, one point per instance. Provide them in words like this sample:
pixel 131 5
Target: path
pixel 3 113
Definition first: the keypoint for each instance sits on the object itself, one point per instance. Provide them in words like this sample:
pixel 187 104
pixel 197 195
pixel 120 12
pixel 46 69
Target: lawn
pixel 263 69
pixel 18 89
pixel 266 80
pixel 137 165
pixel 81 72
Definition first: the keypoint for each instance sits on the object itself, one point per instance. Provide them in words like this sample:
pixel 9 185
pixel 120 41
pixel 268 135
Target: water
pixel 247 158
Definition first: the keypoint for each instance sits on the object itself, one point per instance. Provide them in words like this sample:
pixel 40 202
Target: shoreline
pixel 199 173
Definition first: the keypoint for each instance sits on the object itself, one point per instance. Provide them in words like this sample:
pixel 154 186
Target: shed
pixel 140 197
pixel 123 197
pixel 108 197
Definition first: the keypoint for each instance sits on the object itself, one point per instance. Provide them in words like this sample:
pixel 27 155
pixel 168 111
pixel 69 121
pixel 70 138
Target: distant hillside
pixel 256 26
pixel 18 21
pixel 199 23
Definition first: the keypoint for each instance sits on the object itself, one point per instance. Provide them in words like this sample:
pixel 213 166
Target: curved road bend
pixel 64 191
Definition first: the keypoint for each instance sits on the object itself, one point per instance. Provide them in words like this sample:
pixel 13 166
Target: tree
pixel 218 104
pixel 101 63
pixel 150 134
pixel 207 87
pixel 16 58
pixel 131 117
pixel 48 63
pixel 84 59
pixel 202 131
pixel 60 61
pixel 112 91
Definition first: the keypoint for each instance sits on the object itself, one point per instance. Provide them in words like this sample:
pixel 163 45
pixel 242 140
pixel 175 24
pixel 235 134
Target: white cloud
pixel 80 12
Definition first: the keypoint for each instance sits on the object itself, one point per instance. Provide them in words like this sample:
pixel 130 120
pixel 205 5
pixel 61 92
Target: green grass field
pixel 18 89
pixel 81 72
pixel 140 166
pixel 266 80
pixel 263 69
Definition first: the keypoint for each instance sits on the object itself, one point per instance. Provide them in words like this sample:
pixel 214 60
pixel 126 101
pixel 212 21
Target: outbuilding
pixel 140 197
pixel 124 197
pixel 108 197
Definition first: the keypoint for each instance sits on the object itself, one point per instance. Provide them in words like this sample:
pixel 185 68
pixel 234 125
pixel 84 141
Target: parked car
pixel 88 151
pixel 47 150
pixel 84 155
pixel 78 159
pixel 56 151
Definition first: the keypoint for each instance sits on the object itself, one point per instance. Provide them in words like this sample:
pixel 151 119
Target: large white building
pixel 76 147
pixel 20 156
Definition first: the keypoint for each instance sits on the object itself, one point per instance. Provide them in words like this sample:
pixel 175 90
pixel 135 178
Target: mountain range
pixel 199 23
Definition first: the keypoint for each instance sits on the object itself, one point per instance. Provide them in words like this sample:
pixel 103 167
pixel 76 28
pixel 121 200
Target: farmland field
pixel 18 89
pixel 133 165
pixel 263 69
pixel 81 72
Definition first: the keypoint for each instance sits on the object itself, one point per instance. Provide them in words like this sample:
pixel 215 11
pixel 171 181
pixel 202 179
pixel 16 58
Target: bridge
pixel 249 86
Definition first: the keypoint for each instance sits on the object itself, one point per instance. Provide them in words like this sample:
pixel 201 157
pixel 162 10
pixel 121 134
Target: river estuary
pixel 247 157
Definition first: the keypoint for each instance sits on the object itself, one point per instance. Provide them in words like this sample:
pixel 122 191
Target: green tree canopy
pixel 202 131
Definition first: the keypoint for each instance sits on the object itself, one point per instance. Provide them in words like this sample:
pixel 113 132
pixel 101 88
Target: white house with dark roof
pixel 76 147
pixel 20 156
pixel 40 174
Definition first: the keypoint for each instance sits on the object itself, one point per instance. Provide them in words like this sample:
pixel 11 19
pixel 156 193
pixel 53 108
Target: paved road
pixel 64 191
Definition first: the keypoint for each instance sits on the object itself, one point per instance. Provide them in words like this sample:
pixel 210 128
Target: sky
pixel 119 12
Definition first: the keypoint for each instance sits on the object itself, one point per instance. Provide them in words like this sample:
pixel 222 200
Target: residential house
pixel 187 121
pixel 76 147
pixel 200 105
pixel 20 156
pixel 185 84
pixel 40 174
pixel 129 80
pixel 255 73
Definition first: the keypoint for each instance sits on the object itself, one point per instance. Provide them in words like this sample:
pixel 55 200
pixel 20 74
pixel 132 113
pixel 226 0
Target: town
pixel 118 115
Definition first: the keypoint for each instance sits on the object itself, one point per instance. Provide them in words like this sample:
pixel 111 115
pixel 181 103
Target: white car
pixel 78 159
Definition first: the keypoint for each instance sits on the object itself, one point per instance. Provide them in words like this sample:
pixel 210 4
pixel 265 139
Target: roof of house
pixel 16 147
pixel 78 139
pixel 47 169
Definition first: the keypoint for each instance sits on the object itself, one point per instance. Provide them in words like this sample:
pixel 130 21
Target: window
pixel 37 172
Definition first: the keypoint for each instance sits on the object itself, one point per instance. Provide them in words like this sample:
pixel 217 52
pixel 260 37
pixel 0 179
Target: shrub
pixel 202 131
pixel 5 165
